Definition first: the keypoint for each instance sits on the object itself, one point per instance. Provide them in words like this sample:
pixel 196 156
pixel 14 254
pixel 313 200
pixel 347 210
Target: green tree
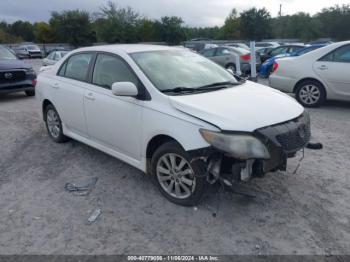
pixel 231 28
pixel 255 24
pixel 170 29
pixel 335 22
pixel 22 29
pixel 146 31
pixel 117 25
pixel 6 38
pixel 300 25
pixel 73 27
pixel 43 33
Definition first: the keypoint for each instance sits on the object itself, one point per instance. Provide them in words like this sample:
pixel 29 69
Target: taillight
pixel 34 82
pixel 245 57
pixel 274 67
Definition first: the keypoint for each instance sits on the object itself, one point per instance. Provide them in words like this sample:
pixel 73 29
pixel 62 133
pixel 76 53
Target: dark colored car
pixel 15 75
pixel 283 49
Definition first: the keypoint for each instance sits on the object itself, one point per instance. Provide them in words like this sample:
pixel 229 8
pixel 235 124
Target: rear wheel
pixel 231 67
pixel 54 125
pixel 179 180
pixel 30 92
pixel 310 93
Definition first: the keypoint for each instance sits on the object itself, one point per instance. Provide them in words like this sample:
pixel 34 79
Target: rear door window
pixel 209 52
pixel 77 67
pixel 340 55
pixel 222 52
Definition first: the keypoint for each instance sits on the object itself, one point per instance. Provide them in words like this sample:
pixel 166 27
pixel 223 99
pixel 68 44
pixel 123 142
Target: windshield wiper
pixel 213 86
pixel 178 89
pixel 219 85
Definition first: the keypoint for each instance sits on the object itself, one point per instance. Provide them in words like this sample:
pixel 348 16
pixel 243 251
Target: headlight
pixel 240 146
pixel 30 71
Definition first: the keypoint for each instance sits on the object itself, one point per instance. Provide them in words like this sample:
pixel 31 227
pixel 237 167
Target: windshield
pixel 32 47
pixel 6 54
pixel 180 68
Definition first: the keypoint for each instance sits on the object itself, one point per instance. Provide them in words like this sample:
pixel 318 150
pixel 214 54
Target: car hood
pixel 241 108
pixel 13 64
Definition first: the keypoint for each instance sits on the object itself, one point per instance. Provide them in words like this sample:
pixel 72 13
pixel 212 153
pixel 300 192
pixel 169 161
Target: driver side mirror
pixel 124 89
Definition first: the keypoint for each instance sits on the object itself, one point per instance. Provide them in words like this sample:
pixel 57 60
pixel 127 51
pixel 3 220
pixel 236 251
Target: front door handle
pixel 90 96
pixel 323 67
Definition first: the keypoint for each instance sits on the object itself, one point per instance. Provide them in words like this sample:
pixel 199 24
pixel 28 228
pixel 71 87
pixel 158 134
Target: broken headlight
pixel 240 146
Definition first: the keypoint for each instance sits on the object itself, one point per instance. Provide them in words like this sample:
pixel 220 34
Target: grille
pixel 12 76
pixel 294 139
pixel 291 136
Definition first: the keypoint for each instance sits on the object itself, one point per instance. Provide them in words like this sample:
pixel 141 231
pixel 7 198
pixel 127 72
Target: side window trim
pixel 143 93
pixel 331 53
pixel 64 65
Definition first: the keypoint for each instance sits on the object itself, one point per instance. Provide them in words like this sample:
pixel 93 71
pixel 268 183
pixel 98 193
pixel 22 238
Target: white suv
pixel 173 114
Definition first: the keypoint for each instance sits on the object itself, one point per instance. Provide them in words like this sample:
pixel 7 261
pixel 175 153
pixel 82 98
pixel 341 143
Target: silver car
pixel 226 57
pixel 53 57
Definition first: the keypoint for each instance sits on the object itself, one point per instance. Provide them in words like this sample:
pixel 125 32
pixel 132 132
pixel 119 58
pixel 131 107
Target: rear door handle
pixel 90 96
pixel 323 67
pixel 56 85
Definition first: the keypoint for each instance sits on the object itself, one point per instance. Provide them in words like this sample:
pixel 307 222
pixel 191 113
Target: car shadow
pixel 13 96
pixel 341 104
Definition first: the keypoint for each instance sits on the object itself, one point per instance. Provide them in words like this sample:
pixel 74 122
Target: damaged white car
pixel 173 114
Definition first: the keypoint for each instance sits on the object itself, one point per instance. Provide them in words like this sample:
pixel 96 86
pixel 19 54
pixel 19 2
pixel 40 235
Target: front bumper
pixel 17 86
pixel 282 140
pixel 35 54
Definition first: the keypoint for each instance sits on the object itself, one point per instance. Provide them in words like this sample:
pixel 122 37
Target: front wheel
pixel 179 180
pixel 54 125
pixel 310 93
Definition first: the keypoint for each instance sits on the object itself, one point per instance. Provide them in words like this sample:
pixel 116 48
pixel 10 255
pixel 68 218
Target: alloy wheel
pixel 53 123
pixel 175 176
pixel 309 94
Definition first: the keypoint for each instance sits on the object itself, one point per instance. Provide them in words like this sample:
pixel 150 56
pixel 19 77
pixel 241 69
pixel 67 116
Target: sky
pixel 193 12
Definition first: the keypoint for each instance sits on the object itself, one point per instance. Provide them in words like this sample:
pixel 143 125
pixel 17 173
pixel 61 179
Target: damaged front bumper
pixel 281 140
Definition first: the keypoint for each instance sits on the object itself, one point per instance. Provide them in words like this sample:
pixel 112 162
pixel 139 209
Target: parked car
pixel 199 46
pixel 283 49
pixel 263 50
pixel 316 76
pixel 15 75
pixel 266 67
pixel 53 57
pixel 28 51
pixel 240 45
pixel 267 44
pixel 171 113
pixel 226 57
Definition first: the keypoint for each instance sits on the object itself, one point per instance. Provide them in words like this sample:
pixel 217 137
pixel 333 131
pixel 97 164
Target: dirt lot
pixel 303 213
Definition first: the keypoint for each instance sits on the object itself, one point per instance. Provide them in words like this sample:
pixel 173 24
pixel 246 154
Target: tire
pixel 30 92
pixel 167 175
pixel 54 124
pixel 232 67
pixel 310 93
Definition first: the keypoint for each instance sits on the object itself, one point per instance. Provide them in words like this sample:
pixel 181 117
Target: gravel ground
pixel 303 213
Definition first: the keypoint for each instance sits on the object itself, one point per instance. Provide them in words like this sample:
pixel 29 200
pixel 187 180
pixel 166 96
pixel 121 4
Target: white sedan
pixel 316 76
pixel 173 114
pixel 53 57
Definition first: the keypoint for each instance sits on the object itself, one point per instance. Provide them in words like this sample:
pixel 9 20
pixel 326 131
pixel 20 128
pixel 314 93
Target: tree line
pixel 116 24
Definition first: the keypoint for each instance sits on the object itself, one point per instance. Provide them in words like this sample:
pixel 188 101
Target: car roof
pixel 237 49
pixel 129 48
pixel 323 50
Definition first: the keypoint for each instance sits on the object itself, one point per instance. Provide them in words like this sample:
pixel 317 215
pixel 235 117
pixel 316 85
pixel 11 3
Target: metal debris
pixel 94 216
pixel 81 190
